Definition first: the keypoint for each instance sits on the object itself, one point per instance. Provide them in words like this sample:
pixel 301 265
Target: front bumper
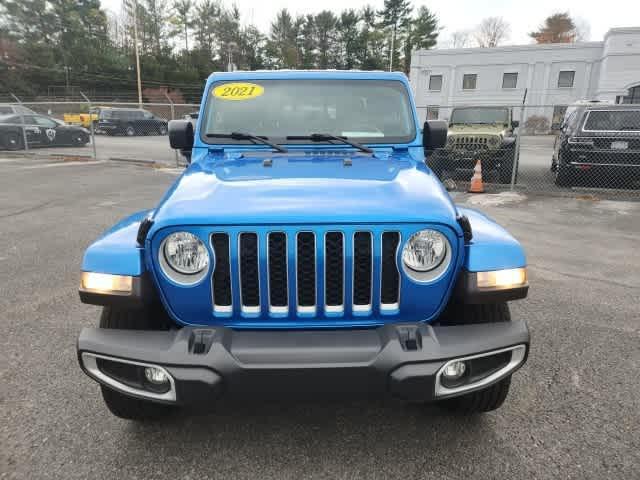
pixel 402 360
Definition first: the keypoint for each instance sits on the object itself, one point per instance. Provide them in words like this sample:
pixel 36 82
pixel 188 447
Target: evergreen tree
pixel 396 17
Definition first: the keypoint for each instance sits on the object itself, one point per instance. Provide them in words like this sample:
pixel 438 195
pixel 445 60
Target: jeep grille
pixel 307 274
pixel 469 143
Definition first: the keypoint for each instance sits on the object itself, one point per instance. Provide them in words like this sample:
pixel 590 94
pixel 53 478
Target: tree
pixel 326 34
pixel 282 40
pixel 307 43
pixel 491 32
pixel 422 34
pixel 460 39
pixel 557 28
pixel 349 37
pixel 396 16
pixel 183 19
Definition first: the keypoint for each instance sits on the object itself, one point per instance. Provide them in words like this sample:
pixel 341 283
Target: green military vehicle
pixel 478 133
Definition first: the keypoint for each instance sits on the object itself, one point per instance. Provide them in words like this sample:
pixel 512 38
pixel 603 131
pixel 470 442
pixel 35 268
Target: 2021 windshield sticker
pixel 238 91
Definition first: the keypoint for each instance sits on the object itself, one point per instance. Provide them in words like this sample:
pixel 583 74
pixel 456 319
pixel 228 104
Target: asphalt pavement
pixel 573 411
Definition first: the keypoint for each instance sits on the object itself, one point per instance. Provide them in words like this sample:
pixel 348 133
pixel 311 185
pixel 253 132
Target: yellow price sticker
pixel 238 91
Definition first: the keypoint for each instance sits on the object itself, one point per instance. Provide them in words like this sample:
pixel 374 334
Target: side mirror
pixel 515 123
pixel 181 134
pixel 434 134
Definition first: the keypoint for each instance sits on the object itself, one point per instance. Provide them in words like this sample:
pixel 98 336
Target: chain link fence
pixel 98 130
pixel 589 148
pixel 579 149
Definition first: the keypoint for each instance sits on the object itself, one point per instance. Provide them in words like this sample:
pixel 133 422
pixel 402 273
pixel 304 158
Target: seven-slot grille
pixel 291 263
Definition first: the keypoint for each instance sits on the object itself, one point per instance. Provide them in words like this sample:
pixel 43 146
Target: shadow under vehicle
pixel 599 147
pixel 40 131
pixel 478 133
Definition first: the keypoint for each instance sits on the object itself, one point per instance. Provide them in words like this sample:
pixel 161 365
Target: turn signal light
pixel 106 283
pixel 511 278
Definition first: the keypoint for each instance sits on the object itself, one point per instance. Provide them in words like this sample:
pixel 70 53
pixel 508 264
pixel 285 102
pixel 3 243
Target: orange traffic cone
pixel 476 181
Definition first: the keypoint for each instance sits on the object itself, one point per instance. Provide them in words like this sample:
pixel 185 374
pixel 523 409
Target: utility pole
pixel 393 40
pixel 135 41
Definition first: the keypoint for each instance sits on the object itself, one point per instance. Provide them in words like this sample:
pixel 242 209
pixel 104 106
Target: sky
pixel 456 15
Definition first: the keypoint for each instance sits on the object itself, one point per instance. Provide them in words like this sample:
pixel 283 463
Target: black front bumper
pixel 399 360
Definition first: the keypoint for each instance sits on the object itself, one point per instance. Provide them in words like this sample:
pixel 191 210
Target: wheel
pixel 13 141
pixel 437 162
pixel 565 177
pixel 121 405
pixel 162 130
pixel 506 168
pixel 80 139
pixel 486 400
pixel 489 398
pixel 130 131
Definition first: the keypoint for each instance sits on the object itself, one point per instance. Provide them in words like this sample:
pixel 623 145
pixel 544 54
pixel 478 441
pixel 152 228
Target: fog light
pixel 155 375
pixel 454 370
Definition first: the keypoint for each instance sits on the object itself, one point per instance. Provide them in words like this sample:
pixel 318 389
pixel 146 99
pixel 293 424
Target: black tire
pixel 437 162
pixel 129 131
pixel 493 396
pixel 565 176
pixel 13 141
pixel 121 405
pixel 162 130
pixel 80 140
pixel 506 167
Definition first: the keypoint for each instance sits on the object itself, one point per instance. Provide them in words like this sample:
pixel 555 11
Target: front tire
pixel 162 130
pixel 130 131
pixel 489 398
pixel 120 405
pixel 506 167
pixel 565 176
pixel 482 401
pixel 13 141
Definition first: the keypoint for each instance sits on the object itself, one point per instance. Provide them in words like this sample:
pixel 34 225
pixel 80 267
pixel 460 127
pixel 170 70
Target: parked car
pixel 8 109
pixel 598 144
pixel 41 131
pixel 130 122
pixel 316 255
pixel 479 133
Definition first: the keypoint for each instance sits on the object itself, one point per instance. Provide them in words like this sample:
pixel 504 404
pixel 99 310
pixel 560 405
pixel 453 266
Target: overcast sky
pixel 523 15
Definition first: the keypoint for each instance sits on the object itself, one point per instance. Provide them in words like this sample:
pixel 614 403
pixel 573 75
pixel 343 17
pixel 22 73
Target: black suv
pixel 130 122
pixel 599 145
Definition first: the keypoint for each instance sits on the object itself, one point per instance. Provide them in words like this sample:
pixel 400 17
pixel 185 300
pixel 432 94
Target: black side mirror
pixel 515 123
pixel 434 134
pixel 181 137
pixel 181 134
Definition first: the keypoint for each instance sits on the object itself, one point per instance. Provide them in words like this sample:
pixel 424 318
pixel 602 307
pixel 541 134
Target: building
pixel 552 76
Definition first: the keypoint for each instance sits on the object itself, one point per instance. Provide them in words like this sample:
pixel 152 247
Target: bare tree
pixel 583 29
pixel 491 32
pixel 461 39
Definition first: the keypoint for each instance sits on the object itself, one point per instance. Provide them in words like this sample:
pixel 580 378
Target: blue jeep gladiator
pixel 306 250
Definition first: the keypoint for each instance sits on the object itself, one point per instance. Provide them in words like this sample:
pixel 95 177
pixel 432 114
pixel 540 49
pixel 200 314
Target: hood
pixel 305 188
pixel 479 129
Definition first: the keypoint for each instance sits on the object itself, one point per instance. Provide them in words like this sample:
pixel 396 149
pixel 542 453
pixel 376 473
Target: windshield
pixel 480 115
pixel 366 111
pixel 627 120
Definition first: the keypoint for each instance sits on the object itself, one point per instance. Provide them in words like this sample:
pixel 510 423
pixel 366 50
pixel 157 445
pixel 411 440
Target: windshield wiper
pixel 323 137
pixel 247 136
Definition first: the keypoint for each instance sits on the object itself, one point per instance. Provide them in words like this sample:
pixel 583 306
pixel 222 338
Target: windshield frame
pixel 506 110
pixel 206 110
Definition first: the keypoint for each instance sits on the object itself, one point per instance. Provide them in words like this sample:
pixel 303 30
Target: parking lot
pixel 573 411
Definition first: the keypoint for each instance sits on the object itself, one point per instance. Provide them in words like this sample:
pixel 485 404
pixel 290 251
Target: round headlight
pixel 185 253
pixel 424 251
